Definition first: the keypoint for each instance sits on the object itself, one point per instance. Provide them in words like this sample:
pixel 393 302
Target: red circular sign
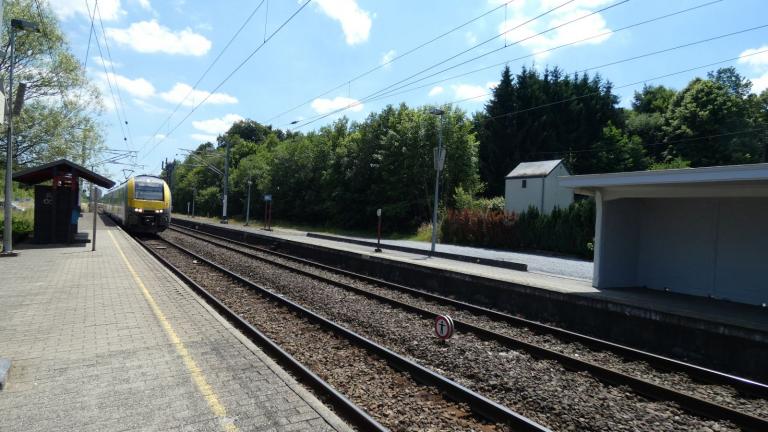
pixel 443 327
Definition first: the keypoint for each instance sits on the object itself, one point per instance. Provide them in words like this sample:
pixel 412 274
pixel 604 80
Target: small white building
pixel 536 184
pixel 699 231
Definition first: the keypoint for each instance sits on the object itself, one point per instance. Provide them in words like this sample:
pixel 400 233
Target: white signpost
pixel 444 327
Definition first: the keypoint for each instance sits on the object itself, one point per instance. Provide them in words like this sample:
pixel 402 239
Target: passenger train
pixel 140 204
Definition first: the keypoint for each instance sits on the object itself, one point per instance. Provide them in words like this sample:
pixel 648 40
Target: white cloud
pixel 760 83
pixel 159 136
pixel 102 61
pixel 181 90
pixel 138 87
pixel 583 26
pixel 386 59
pixel 755 59
pixel 436 91
pixel 145 5
pixel 149 108
pixel 203 137
pixel 470 37
pixel 491 84
pixel 470 92
pixel 216 126
pixel 324 106
pixel 151 37
pixel 110 10
pixel 355 22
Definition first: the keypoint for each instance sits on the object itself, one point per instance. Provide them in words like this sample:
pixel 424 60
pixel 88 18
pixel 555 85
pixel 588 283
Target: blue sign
pixel 267 197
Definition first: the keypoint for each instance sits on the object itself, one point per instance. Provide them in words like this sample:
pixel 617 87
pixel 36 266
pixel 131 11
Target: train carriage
pixel 140 204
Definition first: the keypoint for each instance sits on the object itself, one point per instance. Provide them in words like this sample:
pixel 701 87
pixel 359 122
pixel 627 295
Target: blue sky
pixel 161 48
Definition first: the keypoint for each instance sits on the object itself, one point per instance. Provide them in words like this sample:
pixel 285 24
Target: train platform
pixel 697 329
pixel 112 341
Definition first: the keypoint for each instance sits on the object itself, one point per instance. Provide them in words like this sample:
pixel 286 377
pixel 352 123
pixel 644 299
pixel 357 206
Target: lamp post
pixel 439 156
pixel 248 204
pixel 16 24
pixel 224 218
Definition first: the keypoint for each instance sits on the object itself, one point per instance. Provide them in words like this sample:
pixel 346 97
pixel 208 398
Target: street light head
pixel 436 111
pixel 294 122
pixel 20 24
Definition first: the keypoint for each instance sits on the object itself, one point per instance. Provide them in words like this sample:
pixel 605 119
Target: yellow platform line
pixel 194 370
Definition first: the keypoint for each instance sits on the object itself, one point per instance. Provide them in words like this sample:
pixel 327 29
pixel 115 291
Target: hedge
pixel 567 231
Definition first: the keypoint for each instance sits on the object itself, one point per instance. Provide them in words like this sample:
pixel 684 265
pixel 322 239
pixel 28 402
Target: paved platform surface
pixel 716 311
pixel 111 341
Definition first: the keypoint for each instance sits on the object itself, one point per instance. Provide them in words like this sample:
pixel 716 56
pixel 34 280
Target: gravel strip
pixel 390 396
pixel 539 389
pixel 720 394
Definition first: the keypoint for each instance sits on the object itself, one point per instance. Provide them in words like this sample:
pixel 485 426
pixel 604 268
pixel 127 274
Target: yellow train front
pixel 140 204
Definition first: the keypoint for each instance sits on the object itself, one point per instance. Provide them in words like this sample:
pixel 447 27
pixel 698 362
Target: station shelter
pixel 699 231
pixel 57 205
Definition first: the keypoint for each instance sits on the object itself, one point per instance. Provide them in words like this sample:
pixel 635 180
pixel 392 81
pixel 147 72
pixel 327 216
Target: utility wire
pixel 112 66
pixel 204 74
pixel 382 90
pixel 377 94
pixel 648 54
pixel 106 73
pixel 576 42
pixel 90 34
pixel 349 81
pixel 237 68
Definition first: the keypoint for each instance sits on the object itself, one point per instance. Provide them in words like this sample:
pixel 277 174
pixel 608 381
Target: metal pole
pixel 194 197
pixel 438 158
pixel 378 232
pixel 226 185
pixel 93 209
pixel 248 205
pixel 8 228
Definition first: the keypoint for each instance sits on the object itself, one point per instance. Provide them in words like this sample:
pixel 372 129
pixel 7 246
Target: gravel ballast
pixel 393 398
pixel 539 389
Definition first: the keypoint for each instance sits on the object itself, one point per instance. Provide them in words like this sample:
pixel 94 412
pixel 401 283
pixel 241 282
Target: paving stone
pixel 90 354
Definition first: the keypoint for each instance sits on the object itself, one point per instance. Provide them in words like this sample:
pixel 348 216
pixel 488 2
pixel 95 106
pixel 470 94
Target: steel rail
pixel 743 385
pixel 480 404
pixel 348 409
pixel 649 389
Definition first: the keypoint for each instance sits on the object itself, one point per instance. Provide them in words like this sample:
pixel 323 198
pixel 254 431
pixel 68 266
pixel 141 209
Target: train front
pixel 149 205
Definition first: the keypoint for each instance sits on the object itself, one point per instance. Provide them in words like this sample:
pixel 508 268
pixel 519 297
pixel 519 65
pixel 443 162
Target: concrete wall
pixel 701 246
pixel 554 194
pixel 517 199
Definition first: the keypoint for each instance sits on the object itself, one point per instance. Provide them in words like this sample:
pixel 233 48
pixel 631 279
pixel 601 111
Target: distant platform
pixel 112 341
pixel 714 333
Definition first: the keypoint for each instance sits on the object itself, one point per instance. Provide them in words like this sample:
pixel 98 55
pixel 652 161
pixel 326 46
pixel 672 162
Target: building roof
pixel 48 171
pixel 534 169
pixel 716 181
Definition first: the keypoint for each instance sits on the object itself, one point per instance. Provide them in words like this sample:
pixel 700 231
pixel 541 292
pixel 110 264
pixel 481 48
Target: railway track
pixel 705 393
pixel 398 393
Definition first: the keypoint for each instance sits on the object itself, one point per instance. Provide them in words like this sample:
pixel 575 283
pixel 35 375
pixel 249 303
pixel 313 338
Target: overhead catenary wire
pixel 381 65
pixel 375 95
pixel 112 66
pixel 232 73
pixel 612 63
pixel 106 73
pixel 204 74
pixel 385 89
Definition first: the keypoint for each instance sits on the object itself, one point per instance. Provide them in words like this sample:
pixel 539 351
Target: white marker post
pixel 444 327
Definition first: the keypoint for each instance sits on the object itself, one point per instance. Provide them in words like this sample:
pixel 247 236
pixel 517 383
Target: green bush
pixel 567 231
pixel 22 224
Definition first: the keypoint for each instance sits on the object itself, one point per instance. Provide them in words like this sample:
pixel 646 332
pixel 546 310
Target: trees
pixel 59 117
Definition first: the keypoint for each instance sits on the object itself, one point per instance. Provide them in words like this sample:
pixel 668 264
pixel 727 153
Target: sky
pixel 294 65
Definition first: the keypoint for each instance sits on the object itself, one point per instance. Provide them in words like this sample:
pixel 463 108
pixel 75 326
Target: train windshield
pixel 149 191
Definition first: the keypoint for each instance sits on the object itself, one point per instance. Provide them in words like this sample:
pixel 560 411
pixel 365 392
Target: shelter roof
pixel 48 171
pixel 716 181
pixel 534 169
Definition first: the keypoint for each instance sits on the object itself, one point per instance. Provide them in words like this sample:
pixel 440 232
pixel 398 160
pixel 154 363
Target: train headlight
pixel 139 210
pixel 159 211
